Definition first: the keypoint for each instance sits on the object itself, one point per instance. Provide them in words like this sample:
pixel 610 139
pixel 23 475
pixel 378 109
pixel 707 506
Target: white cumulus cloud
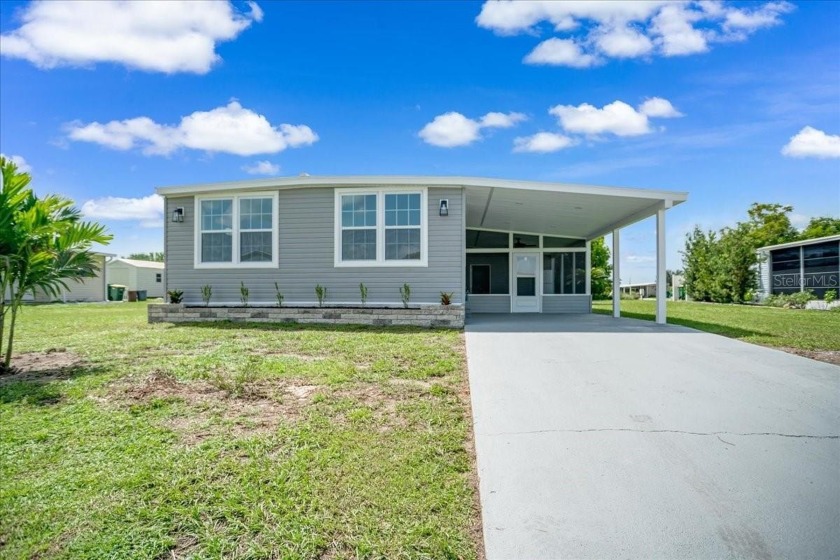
pixel 617 118
pixel 166 36
pixel 585 120
pixel 561 52
pixel 261 168
pixel 590 32
pixel 542 143
pixel 148 210
pixel 810 142
pixel 454 129
pixel 22 166
pixel 658 107
pixel 231 129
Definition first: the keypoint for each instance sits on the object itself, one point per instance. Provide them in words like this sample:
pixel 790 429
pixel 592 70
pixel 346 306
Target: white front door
pixel 526 283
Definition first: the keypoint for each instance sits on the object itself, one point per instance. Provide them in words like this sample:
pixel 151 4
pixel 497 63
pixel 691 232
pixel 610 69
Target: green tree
pixel 821 227
pixel 769 224
pixel 153 256
pixel 735 256
pixel 601 269
pixel 43 245
pixel 699 259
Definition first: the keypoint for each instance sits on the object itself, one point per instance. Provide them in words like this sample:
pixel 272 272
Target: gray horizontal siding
pixel 489 304
pixel 567 304
pixel 306 256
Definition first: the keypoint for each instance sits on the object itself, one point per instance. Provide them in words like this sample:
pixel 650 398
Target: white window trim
pixel 380 261
pixel 236 231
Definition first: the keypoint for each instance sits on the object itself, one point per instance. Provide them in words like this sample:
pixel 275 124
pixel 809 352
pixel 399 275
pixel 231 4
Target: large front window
pixel 380 228
pixel 236 230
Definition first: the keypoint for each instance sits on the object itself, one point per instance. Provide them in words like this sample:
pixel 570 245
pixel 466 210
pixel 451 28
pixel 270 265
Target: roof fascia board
pixel 346 181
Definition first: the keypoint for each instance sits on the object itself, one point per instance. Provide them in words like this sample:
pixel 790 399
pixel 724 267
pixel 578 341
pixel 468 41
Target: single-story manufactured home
pixel 138 275
pixel 496 245
pixel 812 264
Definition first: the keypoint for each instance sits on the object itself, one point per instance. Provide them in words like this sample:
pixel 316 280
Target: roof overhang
pixel 562 209
pixel 801 243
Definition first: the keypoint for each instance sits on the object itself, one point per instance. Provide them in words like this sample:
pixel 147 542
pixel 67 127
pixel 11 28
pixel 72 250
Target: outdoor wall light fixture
pixel 178 215
pixel 444 207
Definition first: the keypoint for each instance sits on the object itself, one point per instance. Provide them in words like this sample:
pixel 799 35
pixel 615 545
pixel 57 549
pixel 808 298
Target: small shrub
pixel 800 299
pixel 175 296
pixel 206 294
pixel 363 293
pixel 446 298
pixel 278 294
pixel 405 294
pixel 243 294
pixel 321 294
pixel 797 300
pixel 829 296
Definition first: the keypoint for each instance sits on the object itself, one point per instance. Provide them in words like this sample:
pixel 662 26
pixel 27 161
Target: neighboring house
pixel 642 289
pixel 497 245
pixel 89 289
pixel 138 275
pixel 813 264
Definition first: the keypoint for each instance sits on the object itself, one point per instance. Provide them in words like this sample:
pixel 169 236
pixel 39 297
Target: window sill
pixel 381 264
pixel 235 265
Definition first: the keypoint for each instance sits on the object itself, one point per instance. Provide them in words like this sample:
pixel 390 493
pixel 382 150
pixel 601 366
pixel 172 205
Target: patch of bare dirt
pixel 828 356
pixel 258 408
pixel 417 383
pixel 184 546
pixel 49 365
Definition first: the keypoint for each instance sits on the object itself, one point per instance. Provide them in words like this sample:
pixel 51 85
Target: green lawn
pixel 796 329
pixel 233 440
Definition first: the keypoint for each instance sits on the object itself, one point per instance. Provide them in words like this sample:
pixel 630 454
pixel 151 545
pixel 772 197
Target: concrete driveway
pixel 615 438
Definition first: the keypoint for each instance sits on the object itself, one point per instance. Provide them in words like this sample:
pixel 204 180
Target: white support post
pixel 616 279
pixel 589 269
pixel 661 288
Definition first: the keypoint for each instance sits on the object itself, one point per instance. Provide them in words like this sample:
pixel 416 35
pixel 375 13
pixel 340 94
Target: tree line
pixel 719 266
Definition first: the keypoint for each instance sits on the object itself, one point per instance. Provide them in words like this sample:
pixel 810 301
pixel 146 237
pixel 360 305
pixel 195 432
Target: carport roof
pixel 563 209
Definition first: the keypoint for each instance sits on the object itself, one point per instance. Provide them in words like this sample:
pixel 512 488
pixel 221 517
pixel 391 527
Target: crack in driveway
pixel 587 430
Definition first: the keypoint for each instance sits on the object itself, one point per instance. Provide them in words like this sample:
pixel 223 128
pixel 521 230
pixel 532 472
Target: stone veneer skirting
pixel 428 316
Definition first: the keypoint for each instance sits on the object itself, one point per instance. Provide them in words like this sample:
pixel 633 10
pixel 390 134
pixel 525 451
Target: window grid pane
pixel 255 214
pixel 402 209
pixel 216 247
pixel 217 215
pixel 358 245
pixel 358 211
pixel 255 246
pixel 402 244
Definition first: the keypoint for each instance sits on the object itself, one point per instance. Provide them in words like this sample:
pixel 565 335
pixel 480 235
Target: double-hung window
pixel 381 227
pixel 236 231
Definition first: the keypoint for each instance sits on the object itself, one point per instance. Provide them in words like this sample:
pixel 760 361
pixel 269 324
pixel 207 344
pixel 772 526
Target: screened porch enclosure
pixel 509 271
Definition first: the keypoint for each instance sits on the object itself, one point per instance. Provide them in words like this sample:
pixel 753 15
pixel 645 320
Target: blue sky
pixel 733 102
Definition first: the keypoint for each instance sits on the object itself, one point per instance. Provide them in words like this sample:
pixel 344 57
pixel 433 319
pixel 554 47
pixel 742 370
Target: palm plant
pixel 43 243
